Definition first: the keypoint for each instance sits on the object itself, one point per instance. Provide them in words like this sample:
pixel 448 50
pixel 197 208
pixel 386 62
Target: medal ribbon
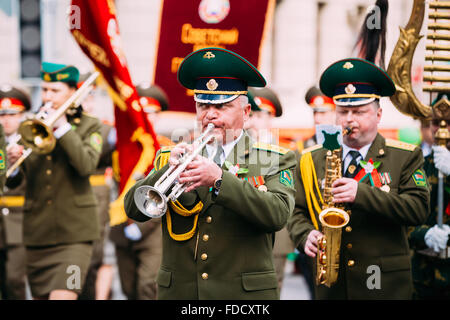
pixel 369 170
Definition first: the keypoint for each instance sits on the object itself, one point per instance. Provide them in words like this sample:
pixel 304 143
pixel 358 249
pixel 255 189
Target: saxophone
pixel 333 218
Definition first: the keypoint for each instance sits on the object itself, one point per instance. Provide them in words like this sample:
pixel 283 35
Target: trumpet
pixel 36 133
pixel 152 200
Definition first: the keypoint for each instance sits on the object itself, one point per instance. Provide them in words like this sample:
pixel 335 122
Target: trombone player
pixel 60 220
pixel 218 235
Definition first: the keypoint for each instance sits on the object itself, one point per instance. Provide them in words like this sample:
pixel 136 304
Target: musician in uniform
pixel 323 109
pixel 218 235
pixel 383 185
pixel 139 245
pixel 60 220
pixel 431 270
pixel 14 102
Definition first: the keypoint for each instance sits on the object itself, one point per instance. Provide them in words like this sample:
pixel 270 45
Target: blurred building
pixel 305 37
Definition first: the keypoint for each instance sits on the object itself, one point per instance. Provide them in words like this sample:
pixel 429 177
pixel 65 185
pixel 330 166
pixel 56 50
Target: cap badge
pixel 350 89
pixel 47 77
pixel 318 102
pixel 209 55
pixel 212 85
pixel 347 65
pixel 6 103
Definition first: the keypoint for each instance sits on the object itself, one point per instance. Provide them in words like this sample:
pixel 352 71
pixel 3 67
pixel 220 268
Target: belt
pixel 12 201
pixel 97 180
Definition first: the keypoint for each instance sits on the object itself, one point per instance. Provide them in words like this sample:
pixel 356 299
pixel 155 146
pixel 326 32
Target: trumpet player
pixel 60 221
pixel 383 187
pixel 14 103
pixel 218 235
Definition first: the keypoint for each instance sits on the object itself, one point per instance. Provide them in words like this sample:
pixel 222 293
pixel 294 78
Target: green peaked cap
pixel 54 72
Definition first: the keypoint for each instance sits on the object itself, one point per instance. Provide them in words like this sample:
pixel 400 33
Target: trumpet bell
pixel 37 136
pixel 150 201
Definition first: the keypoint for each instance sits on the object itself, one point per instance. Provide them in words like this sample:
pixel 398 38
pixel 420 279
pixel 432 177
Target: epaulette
pixel 400 145
pixel 163 157
pixel 270 147
pixel 313 148
pixel 166 149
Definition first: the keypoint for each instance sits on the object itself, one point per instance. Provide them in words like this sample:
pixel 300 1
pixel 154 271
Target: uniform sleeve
pixel 409 206
pixel 83 151
pixel 299 224
pixel 268 210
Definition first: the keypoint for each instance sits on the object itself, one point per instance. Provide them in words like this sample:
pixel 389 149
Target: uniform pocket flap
pixel 395 263
pixel 164 278
pixel 252 281
pixel 85 200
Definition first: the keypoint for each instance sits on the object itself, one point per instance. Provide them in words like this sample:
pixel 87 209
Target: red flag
pixel 186 26
pixel 97 34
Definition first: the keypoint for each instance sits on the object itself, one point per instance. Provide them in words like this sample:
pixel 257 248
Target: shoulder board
pixel 166 149
pixel 400 145
pixel 270 147
pixel 313 148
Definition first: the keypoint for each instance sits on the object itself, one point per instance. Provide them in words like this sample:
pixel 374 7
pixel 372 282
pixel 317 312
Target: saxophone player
pixel 383 187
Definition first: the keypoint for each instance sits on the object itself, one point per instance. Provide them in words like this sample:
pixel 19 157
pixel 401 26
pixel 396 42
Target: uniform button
pixel 205 237
pixel 5 211
pixel 351 263
pixel 348 229
pixel 208 219
pixel 49 202
pixel 49 172
pixel 204 276
pixel 49 157
pixel 48 187
pixel 204 256
pixel 349 246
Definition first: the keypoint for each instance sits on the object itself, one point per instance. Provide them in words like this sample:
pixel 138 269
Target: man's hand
pixel 344 190
pixel 177 151
pixel 200 172
pixel 14 152
pixel 311 243
pixel 441 158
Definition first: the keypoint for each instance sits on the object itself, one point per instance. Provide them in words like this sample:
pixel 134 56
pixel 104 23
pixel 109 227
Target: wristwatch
pixel 218 183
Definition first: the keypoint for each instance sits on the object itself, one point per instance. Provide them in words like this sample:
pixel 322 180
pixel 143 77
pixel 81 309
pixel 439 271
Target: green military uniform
pixel 61 219
pixel 237 226
pixel 138 260
pixel 217 242
pixel 377 231
pixel 392 197
pixel 431 274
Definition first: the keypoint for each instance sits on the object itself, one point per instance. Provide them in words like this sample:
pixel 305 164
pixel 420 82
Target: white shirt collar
pixel 226 148
pixel 363 151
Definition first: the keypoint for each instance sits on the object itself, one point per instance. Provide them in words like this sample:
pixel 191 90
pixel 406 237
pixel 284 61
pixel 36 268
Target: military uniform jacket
pixel 377 232
pixel 230 254
pixel 2 180
pixel 60 206
pixel 11 214
pixel 429 270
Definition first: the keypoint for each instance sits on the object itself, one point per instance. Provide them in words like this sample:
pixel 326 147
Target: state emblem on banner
pixel 213 11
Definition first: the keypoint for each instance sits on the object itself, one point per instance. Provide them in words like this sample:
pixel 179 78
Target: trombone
pixel 152 201
pixel 36 133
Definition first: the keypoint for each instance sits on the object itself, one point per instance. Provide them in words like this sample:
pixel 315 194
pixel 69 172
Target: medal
pixel 262 188
pixel 385 188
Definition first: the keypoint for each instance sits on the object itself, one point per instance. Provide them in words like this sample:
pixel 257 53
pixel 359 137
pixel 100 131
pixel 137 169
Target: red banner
pixel 186 26
pixel 97 34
